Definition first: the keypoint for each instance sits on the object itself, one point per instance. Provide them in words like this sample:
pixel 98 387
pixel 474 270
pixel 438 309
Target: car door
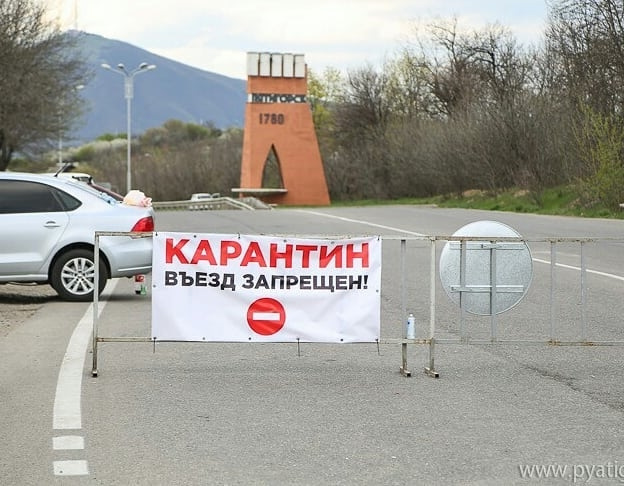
pixel 33 219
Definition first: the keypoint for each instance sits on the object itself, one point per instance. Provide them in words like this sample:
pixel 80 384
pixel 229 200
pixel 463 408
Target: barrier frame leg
pixel 430 370
pixel 403 369
pixel 96 297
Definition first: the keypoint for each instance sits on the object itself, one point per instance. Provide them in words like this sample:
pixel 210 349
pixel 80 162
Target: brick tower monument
pixel 279 134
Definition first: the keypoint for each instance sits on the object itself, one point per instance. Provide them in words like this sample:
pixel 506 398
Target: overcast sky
pixel 215 35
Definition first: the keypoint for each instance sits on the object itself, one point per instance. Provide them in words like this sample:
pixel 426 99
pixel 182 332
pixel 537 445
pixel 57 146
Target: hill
pixel 171 91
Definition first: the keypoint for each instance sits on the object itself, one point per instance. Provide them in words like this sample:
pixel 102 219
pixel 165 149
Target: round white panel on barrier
pixel 492 276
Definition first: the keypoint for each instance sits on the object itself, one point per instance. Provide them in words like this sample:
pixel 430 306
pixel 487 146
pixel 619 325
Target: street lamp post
pixel 129 94
pixel 60 140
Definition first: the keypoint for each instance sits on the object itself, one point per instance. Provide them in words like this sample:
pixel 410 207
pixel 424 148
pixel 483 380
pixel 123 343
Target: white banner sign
pixel 211 287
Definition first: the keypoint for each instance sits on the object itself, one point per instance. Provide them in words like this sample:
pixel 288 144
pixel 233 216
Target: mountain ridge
pixel 171 91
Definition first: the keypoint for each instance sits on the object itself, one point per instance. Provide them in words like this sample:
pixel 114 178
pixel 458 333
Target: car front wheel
pixel 73 275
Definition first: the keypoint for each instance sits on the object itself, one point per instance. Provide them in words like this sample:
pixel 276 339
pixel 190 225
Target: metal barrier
pixel 248 204
pixel 432 339
pixel 492 245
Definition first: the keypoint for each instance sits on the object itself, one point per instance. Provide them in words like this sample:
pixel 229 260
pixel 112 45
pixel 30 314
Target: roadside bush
pixel 600 142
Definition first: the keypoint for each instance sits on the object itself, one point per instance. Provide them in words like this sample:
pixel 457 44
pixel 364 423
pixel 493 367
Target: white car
pixel 202 196
pixel 48 234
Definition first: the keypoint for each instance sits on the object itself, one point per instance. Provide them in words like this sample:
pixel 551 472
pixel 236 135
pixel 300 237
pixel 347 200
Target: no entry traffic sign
pixel 266 316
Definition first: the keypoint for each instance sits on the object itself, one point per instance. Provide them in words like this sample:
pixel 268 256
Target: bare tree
pixel 586 40
pixel 586 45
pixel 38 77
pixel 453 80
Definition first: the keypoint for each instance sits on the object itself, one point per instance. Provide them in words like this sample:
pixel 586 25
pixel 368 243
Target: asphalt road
pixel 238 414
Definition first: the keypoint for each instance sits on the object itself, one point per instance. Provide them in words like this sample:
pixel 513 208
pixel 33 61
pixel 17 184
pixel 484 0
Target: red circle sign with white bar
pixel 266 316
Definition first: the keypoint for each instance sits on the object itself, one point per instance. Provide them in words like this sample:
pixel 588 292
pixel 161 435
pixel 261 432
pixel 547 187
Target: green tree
pixel 324 92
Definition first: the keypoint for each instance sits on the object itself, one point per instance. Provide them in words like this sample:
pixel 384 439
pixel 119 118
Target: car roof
pixel 28 176
pixel 67 183
pixel 45 178
pixel 81 176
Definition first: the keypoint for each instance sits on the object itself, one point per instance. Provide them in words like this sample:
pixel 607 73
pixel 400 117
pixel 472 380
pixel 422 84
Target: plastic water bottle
pixel 410 331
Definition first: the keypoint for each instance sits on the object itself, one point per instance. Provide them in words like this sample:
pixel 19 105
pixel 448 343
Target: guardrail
pixel 248 204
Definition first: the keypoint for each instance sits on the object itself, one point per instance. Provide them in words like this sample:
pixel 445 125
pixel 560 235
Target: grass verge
pixel 563 201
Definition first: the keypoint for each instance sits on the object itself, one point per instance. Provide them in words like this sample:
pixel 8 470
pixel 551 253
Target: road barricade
pixel 483 278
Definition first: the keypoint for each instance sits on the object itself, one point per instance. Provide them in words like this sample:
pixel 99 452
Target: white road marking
pixel 67 413
pixel 375 225
pixel 588 270
pixel 68 442
pixel 70 468
pixel 266 316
